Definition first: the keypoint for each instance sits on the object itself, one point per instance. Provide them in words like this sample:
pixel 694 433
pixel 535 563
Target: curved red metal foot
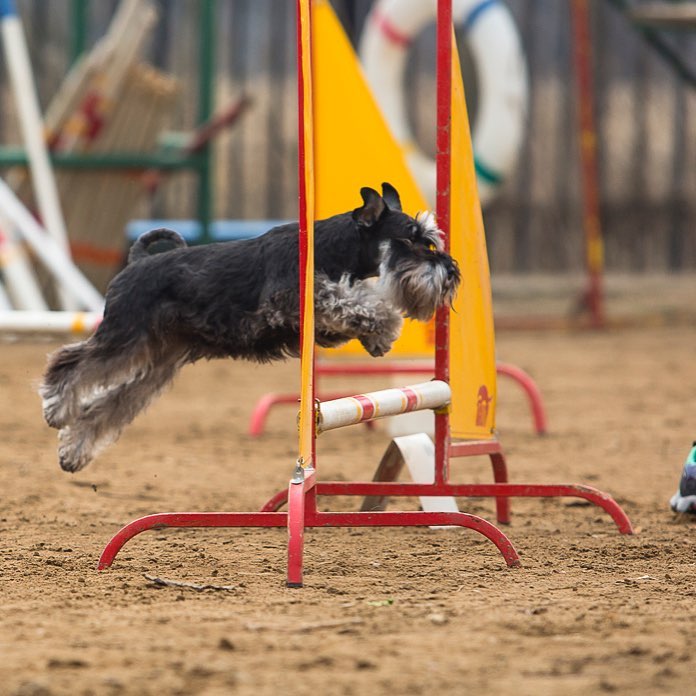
pixel 276 502
pixel 606 502
pixel 551 490
pixel 530 389
pixel 257 422
pixel 164 520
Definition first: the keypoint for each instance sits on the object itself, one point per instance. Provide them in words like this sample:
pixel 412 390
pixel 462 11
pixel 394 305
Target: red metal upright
pixel 443 76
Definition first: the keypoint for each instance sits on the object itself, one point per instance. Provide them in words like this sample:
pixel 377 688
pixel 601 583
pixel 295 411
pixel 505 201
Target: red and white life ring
pixel 499 124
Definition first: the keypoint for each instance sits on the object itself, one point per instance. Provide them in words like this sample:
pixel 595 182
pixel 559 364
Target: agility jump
pixel 464 404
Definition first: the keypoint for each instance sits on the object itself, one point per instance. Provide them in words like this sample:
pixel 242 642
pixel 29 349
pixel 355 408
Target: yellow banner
pixel 472 339
pixel 353 147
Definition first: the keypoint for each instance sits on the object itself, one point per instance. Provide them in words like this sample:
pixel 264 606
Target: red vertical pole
pixel 297 489
pixel 594 255
pixel 443 73
pixel 301 165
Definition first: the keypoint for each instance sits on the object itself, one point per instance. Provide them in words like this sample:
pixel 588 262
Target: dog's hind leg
pixel 78 372
pixel 56 386
pixel 101 421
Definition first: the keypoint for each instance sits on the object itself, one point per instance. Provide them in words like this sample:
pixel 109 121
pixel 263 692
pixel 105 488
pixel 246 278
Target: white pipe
pixel 61 322
pixel 17 272
pixel 387 402
pixel 49 252
pixel 24 90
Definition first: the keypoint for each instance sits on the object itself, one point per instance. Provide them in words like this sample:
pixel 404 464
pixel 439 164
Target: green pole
pixel 206 99
pixel 78 29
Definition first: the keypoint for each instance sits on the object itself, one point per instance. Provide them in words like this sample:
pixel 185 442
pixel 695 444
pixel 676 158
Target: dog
pixel 241 300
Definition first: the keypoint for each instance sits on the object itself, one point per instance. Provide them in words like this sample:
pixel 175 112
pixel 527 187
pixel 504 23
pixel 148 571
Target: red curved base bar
pixel 499 491
pixel 530 388
pixel 303 515
pixel 164 520
pixel 259 415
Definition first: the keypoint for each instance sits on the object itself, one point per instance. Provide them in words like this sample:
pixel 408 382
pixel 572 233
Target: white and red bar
pixel 17 321
pixel 386 402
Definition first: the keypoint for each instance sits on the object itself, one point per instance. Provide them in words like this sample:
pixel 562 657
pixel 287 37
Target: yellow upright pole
pixel 306 203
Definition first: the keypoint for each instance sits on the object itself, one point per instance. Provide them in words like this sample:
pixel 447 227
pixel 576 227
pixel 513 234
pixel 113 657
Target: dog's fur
pixel 241 300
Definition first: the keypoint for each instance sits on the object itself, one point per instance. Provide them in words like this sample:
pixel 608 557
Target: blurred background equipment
pixel 644 107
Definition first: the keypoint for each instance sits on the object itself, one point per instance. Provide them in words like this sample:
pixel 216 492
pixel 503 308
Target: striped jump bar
pixel 386 402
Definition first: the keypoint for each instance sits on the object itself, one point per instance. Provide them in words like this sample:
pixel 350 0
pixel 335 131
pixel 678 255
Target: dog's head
pixel 417 274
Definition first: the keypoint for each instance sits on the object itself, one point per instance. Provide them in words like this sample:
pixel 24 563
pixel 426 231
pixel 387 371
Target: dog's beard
pixel 418 287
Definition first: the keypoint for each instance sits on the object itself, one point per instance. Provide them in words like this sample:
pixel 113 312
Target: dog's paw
pixel 72 456
pixel 376 345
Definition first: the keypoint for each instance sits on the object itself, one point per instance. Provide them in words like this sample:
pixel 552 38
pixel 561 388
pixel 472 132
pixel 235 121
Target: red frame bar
pixel 443 76
pixel 386 489
pixel 312 518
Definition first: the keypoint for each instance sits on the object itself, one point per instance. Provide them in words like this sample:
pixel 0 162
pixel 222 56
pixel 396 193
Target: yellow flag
pixel 472 339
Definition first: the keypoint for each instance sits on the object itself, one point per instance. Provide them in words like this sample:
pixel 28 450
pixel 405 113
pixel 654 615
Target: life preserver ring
pixel 499 125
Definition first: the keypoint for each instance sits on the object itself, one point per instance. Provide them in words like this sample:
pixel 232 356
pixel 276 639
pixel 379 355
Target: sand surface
pixel 391 611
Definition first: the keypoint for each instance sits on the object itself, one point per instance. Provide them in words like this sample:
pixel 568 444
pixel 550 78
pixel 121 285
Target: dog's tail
pixel 139 250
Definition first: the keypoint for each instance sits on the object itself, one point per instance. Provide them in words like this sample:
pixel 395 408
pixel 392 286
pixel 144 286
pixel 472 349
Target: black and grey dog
pixel 241 300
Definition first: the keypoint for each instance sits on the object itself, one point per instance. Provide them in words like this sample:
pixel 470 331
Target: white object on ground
pixel 418 452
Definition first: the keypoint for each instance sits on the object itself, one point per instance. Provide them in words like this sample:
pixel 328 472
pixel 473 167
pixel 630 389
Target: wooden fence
pixel 646 119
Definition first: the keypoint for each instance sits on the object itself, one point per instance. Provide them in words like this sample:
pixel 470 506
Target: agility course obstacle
pixel 343 164
pixel 465 416
pixel 263 407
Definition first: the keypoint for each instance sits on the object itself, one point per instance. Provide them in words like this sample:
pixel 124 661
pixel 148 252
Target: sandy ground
pixel 397 611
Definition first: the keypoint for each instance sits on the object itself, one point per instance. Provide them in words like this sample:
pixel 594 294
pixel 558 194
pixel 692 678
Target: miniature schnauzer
pixel 241 300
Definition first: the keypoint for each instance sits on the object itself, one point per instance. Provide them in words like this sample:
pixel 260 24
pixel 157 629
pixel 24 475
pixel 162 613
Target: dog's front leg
pixel 357 310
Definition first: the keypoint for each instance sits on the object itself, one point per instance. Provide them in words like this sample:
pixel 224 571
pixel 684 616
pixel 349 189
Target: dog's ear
pixel 371 211
pixel 391 196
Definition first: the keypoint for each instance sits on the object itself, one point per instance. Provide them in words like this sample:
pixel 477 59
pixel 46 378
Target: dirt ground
pixel 396 611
